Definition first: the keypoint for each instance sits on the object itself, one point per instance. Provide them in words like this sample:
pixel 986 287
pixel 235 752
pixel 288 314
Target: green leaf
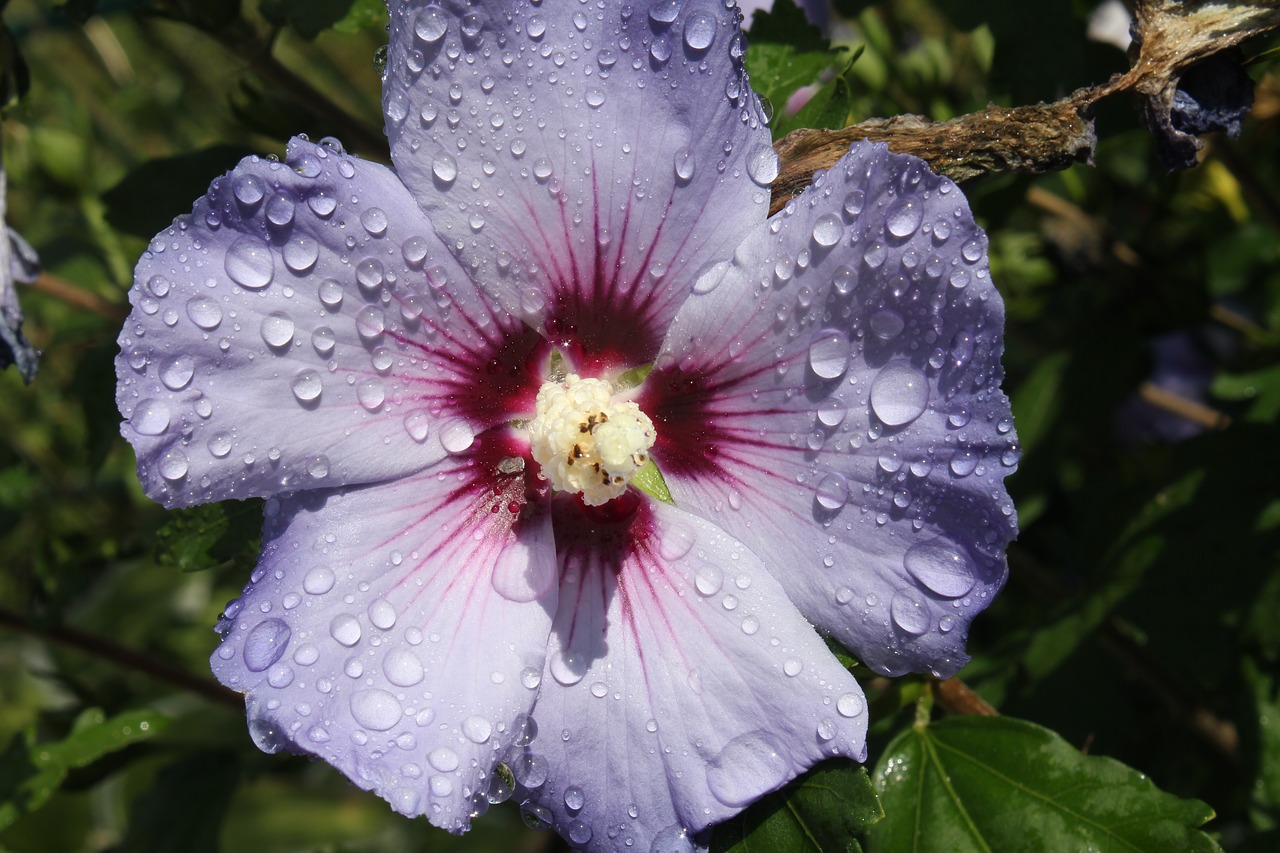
pixel 828 108
pixel 312 17
pixel 206 536
pixel 996 783
pixel 183 810
pixel 143 202
pixel 820 811
pixel 650 481
pixel 364 15
pixel 31 773
pixel 784 53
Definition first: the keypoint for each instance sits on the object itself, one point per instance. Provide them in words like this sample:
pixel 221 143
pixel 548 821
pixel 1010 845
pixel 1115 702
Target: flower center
pixel 585 441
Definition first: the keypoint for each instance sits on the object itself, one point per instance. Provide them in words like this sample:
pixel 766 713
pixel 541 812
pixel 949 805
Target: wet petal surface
pixel 680 685
pixel 596 156
pixel 367 636
pixel 303 328
pixel 833 400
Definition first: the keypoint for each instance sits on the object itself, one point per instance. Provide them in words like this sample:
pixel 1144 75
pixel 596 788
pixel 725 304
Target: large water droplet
pixel 477 729
pixel 280 210
pixel 248 263
pixel 903 219
pixel 443 759
pixel 829 354
pixel 307 386
pixel 300 253
pixel 375 709
pixel 749 765
pixel 265 644
pixel 319 580
pixel 445 169
pixel 457 435
pixel 699 31
pixel 247 189
pixel 677 541
pixel 177 372
pixel 910 612
pixel 402 668
pixel 204 312
pixel 150 417
pixel 665 11
pixel 899 393
pixel 417 423
pixel 850 705
pixel 374 220
pixel 827 230
pixel 833 491
pixel 173 465
pixel 684 165
pixel 886 324
pixel 345 628
pixel 762 165
pixel 430 24
pixel 940 567
pixel 277 329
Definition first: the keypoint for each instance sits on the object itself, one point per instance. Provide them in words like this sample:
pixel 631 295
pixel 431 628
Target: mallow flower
pixel 448 378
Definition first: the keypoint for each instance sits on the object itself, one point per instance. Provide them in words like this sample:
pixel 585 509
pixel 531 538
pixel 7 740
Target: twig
pixel 959 698
pixel 65 291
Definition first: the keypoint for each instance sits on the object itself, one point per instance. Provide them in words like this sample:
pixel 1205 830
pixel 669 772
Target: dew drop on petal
pixel 307 386
pixel 833 491
pixel 345 628
pixel 903 219
pixel 677 541
pixel 374 220
pixel 762 165
pixel 699 31
pixel 280 210
pixel 749 765
pixel 964 463
pixel 249 263
pixel 910 612
pixel 886 324
pixel 430 24
pixel 300 253
pixel 684 165
pixel 375 709
pixel 247 189
pixel 941 568
pixel 827 230
pixel 444 759
pixel 849 705
pixel 150 417
pixel 277 329
pixel 402 668
pixel 319 580
pixel 457 435
pixel 371 393
pixel 445 169
pixel 829 354
pixel 204 312
pixel 708 579
pixel 173 465
pixel 417 423
pixel 899 393
pixel 265 644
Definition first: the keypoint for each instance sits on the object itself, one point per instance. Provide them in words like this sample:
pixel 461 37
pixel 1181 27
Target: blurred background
pixel 1142 616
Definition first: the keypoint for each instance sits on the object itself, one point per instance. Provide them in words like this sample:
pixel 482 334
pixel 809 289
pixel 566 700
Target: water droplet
pixel 277 329
pixel 280 210
pixel 964 463
pixel 371 393
pixel 940 567
pixel 749 765
pixel 699 31
pixel 371 322
pixel 887 324
pixel 150 417
pixel 247 189
pixel 307 386
pixel 831 412
pixel 220 445
pixel 595 97
pixel 850 705
pixel 457 435
pixel 574 799
pixel 684 165
pixel 829 354
pixel 904 217
pixel 322 204
pixel 899 393
pixel 318 581
pixel 541 169
pixel 204 312
pixel 374 220
pixel 402 668
pixel 665 11
pixel 762 165
pixel 265 644
pixel 445 168
pixel 173 465
pixel 910 612
pixel 375 709
pixel 300 253
pixel 430 24
pixel 709 579
pixel 249 263
pixel 792 667
pixel 417 423
pixel 826 729
pixel 827 230
pixel 832 492
pixel 567 669
pixel 959 277
pixel 972 251
pixel 854 201
pixel 345 628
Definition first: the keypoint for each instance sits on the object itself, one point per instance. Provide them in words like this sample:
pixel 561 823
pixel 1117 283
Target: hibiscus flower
pixel 451 379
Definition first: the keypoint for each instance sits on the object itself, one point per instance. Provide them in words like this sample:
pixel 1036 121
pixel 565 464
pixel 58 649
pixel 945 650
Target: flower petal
pixel 602 150
pixel 681 685
pixel 374 634
pixel 842 383
pixel 295 331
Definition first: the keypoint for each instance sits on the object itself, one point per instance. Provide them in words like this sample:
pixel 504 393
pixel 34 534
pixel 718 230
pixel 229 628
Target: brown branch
pixel 958 698
pixel 1170 36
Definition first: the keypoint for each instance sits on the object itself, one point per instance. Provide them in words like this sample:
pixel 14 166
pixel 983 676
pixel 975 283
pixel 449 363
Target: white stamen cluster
pixel 587 443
